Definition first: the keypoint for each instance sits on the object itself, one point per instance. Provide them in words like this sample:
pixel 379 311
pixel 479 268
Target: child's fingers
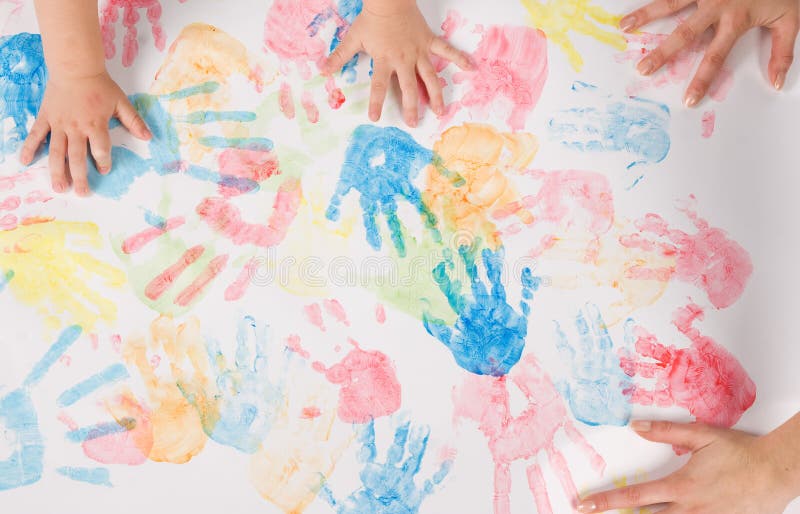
pixel 58 151
pixel 447 51
pixel 434 88
pixel 35 138
pixel 130 119
pixel 709 69
pixel 784 35
pixel 686 33
pixel 381 75
pixel 407 76
pixel 100 143
pixel 342 54
pixel 651 12
pixel 77 152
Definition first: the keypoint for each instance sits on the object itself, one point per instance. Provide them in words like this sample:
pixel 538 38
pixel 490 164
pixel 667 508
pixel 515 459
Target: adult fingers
pixel 35 138
pixel 381 75
pixel 100 144
pixel 639 495
pixel 686 33
pixel 711 65
pixel 409 88
pixel 447 51
pixel 77 153
pixel 692 436
pixel 784 35
pixel 130 119
pixel 58 153
pixel 432 85
pixel 651 12
pixel 342 54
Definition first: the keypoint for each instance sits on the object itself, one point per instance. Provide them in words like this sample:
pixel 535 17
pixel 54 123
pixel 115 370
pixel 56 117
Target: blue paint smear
pixel 390 487
pixel 18 417
pixel 154 220
pixel 259 144
pixel 248 398
pixel 113 373
pixel 5 278
pixel 380 163
pixel 634 125
pixel 23 76
pixel 94 476
pixel 202 117
pixel 348 10
pixel 597 391
pixel 489 335
pixel 100 430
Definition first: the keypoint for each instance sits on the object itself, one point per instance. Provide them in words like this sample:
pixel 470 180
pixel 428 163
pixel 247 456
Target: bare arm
pixel 71 38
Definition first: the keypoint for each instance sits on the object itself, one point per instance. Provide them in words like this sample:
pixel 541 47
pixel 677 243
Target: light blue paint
pixel 257 144
pixel 99 430
pixel 23 76
pixel 380 163
pixel 111 374
pixel 59 348
pixel 597 391
pixel 489 335
pixel 390 487
pixel 154 220
pixel 634 125
pixel 348 10
pixel 202 117
pixel 94 476
pixel 248 398
pixel 5 278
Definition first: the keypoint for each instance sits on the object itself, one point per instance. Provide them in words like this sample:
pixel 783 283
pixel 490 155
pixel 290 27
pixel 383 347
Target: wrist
pixel 780 449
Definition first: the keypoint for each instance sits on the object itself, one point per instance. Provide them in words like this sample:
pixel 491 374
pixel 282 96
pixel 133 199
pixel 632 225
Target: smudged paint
pixel 286 101
pixel 93 476
pixel 380 163
pixel 634 125
pixel 23 76
pixel 597 390
pixel 237 289
pixel 5 278
pixel 390 486
pixel 489 335
pixel 336 310
pixel 160 284
pixel 111 374
pixel 705 378
pixel 139 240
pixel 348 10
pixel 193 291
pixel 708 122
pixel 109 15
pixel 127 441
pixel 708 259
pixel 486 401
pixel 380 314
pixel 557 18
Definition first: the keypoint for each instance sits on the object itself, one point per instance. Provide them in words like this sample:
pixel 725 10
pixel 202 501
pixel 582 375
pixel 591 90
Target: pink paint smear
pixel 118 447
pixel 709 123
pixel 109 16
pixel 138 241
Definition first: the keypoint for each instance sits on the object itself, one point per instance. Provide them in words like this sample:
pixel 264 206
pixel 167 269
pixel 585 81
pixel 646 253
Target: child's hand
pixel 395 34
pixel 730 19
pixel 76 111
pixel 729 472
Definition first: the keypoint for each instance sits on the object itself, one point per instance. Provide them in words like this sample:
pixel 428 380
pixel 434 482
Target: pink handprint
pixel 705 378
pixel 486 400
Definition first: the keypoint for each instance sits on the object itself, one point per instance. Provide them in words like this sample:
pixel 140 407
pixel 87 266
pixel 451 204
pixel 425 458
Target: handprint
pixel 708 259
pixel 489 335
pixel 705 378
pixel 486 401
pixel 557 18
pixel 22 79
pixel 380 164
pixel 390 487
pixel 598 392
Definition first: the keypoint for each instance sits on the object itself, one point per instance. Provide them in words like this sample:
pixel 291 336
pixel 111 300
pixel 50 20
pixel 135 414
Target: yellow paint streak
pixel 54 275
pixel 640 476
pixel 557 18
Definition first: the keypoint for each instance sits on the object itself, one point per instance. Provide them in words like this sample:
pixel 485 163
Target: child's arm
pixel 730 19
pixel 397 37
pixel 80 97
pixel 730 471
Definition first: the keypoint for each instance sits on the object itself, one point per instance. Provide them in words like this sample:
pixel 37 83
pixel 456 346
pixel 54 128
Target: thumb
pixel 131 120
pixel 342 54
pixel 692 436
pixel 784 35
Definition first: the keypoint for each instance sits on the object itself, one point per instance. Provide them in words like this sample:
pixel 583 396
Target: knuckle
pixel 601 502
pixel 700 85
pixel 633 495
pixel 379 85
pixel 715 59
pixel 663 426
pixel 685 33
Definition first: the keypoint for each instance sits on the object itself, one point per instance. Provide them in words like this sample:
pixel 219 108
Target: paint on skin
pixel 486 401
pixel 709 123
pixel 708 259
pixel 93 476
pixel 23 76
pixel 380 163
pixel 636 126
pixel 510 66
pixel 390 487
pixel 705 378
pixel 597 391
pixel 489 335
pixel 558 18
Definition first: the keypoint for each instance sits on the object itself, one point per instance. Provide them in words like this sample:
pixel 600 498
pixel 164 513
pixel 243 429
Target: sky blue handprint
pixel 598 390
pixel 23 76
pixel 489 335
pixel 390 487
pixel 380 164
pixel 241 401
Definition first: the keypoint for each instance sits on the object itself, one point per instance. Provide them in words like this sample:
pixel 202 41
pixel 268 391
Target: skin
pixel 397 37
pixel 729 472
pixel 80 97
pixel 730 19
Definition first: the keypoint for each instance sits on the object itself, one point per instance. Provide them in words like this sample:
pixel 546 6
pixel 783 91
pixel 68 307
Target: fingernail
pixel 645 66
pixel 641 426
pixel 780 80
pixel 627 23
pixel 58 187
pixel 104 169
pixel 691 100
pixel 586 507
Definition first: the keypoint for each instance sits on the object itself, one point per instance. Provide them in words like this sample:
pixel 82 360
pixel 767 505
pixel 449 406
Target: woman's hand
pixel 730 472
pixel 75 112
pixel 397 37
pixel 730 19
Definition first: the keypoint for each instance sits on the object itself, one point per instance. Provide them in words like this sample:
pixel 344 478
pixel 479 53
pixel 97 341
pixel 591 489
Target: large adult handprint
pixel 598 390
pixel 489 335
pixel 22 78
pixel 390 487
pixel 380 164
pixel 705 378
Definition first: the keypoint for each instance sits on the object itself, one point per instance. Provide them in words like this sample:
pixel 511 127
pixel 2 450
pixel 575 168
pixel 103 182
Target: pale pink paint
pixel 708 259
pixel 335 309
pixel 10 182
pixel 452 23
pixel 380 314
pixel 312 112
pixel 285 100
pixel 138 241
pixel 118 447
pixel 709 123
pixel 8 222
pixel 224 217
pixel 314 315
pixel 705 378
pixel 293 344
pixel 66 360
pixel 38 196
pixel 202 281
pixel 95 341
pixel 116 343
pixel 486 401
pixel 109 16
pixel 511 64
pixel 10 203
pixel 164 281
pixel 237 289
pixel 254 165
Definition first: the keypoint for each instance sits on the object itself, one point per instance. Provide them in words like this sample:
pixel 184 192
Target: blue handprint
pixel 22 79
pixel 389 487
pixel 598 391
pixel 348 10
pixel 489 335
pixel 239 406
pixel 380 164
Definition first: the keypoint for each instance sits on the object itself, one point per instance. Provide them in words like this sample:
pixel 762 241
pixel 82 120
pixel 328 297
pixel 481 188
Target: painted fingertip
pixel 586 507
pixel 641 426
pixel 691 100
pixel 59 187
pixel 780 80
pixel 628 23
